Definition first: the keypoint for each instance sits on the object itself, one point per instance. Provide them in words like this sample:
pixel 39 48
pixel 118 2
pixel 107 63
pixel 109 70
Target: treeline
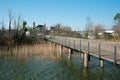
pixel 92 31
pixel 60 30
pixel 98 31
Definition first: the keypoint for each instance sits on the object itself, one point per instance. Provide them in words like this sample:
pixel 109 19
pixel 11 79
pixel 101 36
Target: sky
pixel 71 13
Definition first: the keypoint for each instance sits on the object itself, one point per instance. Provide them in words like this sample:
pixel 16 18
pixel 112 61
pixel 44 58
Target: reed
pixel 44 50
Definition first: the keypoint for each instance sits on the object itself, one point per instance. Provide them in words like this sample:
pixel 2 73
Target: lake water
pixel 36 68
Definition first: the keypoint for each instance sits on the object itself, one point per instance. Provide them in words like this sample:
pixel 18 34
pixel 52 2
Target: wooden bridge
pixel 103 50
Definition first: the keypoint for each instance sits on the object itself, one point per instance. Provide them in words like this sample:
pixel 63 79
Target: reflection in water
pixel 59 69
pixel 101 73
pixel 85 73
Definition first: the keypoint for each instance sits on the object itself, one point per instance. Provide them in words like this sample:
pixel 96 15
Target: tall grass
pixel 44 50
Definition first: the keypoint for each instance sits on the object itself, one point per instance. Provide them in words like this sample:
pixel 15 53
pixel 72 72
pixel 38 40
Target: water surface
pixel 36 68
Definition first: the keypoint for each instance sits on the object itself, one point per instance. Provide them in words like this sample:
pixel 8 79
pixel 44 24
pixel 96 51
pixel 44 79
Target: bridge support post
pixel 69 54
pixel 101 63
pixel 85 60
pixel 61 47
pixel 82 55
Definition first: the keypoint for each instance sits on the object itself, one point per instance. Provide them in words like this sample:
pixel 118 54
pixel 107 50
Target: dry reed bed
pixel 39 49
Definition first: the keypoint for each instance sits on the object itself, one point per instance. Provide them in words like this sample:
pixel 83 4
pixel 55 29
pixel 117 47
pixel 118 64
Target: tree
pixel 24 29
pixel 117 16
pixel 89 27
pixel 3 26
pixel 15 27
pixel 2 31
pixel 33 24
pixel 116 27
pixel 19 22
pixel 61 30
pixel 10 20
pixel 97 29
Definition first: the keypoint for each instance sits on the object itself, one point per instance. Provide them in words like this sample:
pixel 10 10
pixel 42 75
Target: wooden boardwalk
pixel 102 49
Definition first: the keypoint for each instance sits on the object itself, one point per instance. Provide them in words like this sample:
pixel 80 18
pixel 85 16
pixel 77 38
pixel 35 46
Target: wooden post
pixel 69 42
pixel 65 42
pixel 69 55
pixel 99 52
pixel 81 53
pixel 59 40
pixel 101 60
pixel 88 47
pixel 61 47
pixel 80 46
pixel 101 63
pixel 88 51
pixel 74 44
pixel 85 60
pixel 115 54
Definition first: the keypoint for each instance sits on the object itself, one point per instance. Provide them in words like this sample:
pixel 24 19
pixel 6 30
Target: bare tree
pixel 97 29
pixel 10 14
pixel 19 22
pixel 89 26
pixel 2 29
pixel 3 25
pixel 15 27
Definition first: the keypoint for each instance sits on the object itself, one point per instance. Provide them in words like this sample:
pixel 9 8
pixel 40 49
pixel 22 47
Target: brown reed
pixel 44 50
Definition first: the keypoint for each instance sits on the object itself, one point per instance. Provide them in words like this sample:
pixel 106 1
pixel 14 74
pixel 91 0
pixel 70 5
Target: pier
pixel 103 50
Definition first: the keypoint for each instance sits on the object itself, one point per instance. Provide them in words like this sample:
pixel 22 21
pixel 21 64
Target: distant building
pixel 108 33
pixel 39 28
pixel 52 29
